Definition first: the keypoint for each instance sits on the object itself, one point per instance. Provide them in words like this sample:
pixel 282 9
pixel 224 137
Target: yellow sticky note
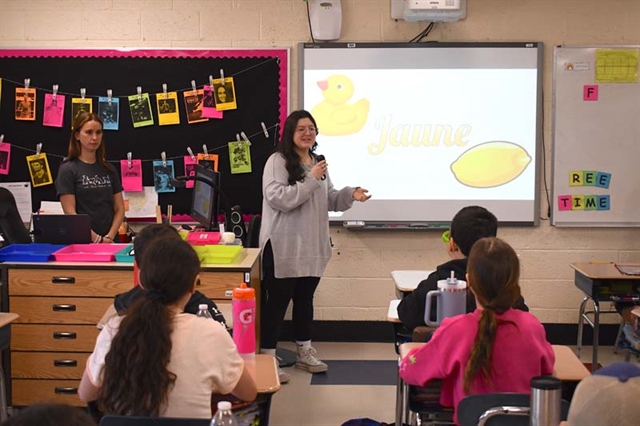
pixel 617 65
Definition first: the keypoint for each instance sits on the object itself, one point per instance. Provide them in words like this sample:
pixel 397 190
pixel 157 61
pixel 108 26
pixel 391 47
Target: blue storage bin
pixel 29 252
pixel 126 254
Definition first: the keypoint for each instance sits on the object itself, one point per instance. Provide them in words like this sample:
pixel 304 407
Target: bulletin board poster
pixel 141 123
pixel 596 136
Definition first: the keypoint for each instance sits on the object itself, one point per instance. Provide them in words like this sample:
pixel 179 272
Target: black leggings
pixel 276 295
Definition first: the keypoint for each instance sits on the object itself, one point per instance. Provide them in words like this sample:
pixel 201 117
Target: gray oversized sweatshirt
pixel 295 219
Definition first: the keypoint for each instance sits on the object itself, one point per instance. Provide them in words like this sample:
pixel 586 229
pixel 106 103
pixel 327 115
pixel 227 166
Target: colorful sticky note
pixel 590 92
pixel 109 112
pixel 591 202
pixel 140 107
pixel 577 202
pixel 53 110
pixel 603 179
pixel 167 108
pixel 617 65
pixel 604 202
pixel 576 178
pixel 564 202
pixel 590 177
pixel 5 158
pixel 131 176
pixel 240 157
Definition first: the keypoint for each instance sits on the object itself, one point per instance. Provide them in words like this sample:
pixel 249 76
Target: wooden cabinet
pixel 59 306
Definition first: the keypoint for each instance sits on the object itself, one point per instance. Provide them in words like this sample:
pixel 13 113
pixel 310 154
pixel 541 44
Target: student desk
pixel 567 367
pixel 406 281
pixel 60 303
pixel 598 282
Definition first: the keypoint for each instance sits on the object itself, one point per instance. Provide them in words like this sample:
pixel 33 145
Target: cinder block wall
pixel 357 284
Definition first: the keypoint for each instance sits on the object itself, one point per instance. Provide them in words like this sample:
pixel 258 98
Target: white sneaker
pixel 283 376
pixel 307 359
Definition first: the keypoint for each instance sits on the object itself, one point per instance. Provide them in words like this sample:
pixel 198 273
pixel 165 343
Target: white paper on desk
pixel 141 204
pixel 22 193
pixel 51 207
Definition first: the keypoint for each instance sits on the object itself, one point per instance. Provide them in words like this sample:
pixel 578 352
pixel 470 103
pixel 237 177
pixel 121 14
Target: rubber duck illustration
pixel 335 117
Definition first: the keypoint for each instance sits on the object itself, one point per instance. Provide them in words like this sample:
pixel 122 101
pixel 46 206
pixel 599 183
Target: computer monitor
pixel 205 201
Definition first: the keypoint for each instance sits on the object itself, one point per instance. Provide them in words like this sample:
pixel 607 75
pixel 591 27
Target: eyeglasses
pixel 446 236
pixel 305 129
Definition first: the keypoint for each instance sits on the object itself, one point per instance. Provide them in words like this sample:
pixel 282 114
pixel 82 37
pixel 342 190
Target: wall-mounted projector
pixel 429 10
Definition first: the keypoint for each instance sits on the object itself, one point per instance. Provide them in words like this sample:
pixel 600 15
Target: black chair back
pixel 151 421
pixel 473 406
pixel 253 234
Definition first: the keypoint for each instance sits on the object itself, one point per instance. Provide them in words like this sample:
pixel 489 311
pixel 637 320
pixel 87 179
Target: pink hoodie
pixel 520 352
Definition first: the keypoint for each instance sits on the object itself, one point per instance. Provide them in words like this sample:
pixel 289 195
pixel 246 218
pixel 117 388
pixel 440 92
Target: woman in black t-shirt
pixel 87 184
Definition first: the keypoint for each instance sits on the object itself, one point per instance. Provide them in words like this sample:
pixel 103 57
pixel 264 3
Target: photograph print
pixel 162 175
pixel 39 170
pixel 140 107
pixel 25 104
pixel 109 112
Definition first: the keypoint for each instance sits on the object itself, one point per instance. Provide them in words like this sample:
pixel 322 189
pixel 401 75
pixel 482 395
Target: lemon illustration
pixel 490 164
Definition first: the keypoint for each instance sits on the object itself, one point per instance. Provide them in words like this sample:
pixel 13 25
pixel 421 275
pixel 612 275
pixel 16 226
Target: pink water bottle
pixel 244 320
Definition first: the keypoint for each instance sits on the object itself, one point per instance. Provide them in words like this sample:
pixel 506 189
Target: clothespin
pixel 83 93
pixel 193 86
pixel 264 129
pixel 55 92
pixel 129 160
pixel 38 149
pixel 164 90
pixel 193 157
pixel 1 139
pixel 211 81
pixel 238 137
pixel 206 152
pixel 27 82
pixel 245 138
pixel 222 75
pixel 163 156
pixel 109 97
pixel 139 89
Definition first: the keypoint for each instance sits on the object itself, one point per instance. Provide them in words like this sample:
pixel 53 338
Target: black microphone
pixel 321 158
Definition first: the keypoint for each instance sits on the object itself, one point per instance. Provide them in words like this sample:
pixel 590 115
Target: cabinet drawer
pixel 48 365
pixel 68 282
pixel 27 392
pixel 59 310
pixel 215 284
pixel 60 338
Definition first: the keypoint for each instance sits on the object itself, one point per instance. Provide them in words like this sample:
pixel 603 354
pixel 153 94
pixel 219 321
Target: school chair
pixel 498 409
pixel 151 421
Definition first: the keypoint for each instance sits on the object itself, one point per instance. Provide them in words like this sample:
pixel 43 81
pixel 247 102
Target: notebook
pixel 629 269
pixel 62 229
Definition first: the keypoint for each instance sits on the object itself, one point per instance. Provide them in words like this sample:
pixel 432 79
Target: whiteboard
pixel 596 129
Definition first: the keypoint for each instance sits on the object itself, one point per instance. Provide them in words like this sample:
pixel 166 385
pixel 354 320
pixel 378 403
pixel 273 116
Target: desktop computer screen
pixel 205 201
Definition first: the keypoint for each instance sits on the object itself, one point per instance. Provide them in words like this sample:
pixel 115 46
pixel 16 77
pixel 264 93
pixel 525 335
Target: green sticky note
pixel 590 177
pixel 240 157
pixel 591 202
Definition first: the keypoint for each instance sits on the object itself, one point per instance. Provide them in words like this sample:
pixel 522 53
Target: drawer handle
pixel 63 280
pixel 66 391
pixel 67 308
pixel 65 363
pixel 64 335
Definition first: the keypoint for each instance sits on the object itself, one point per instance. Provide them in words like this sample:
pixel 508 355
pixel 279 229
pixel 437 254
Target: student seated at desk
pixel 468 226
pixel 158 360
pixel 11 227
pixel 495 348
pixel 124 300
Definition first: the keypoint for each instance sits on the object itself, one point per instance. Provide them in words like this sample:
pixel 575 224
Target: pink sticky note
pixel 190 169
pixel 131 176
pixel 590 92
pixel 564 202
pixel 53 110
pixel 5 158
pixel 208 104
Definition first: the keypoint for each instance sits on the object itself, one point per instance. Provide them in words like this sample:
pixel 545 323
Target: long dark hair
pixel 136 379
pixel 75 149
pixel 494 272
pixel 286 147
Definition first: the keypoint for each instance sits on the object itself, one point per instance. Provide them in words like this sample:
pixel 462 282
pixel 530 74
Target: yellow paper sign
pixel 39 170
pixel 616 65
pixel 167 108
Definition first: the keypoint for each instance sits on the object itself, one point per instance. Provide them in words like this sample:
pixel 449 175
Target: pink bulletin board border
pixel 280 53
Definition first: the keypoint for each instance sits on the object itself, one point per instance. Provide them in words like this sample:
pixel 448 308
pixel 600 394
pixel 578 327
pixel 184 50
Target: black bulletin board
pixel 261 88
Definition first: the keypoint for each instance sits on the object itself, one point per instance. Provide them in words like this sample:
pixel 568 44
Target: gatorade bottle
pixel 244 320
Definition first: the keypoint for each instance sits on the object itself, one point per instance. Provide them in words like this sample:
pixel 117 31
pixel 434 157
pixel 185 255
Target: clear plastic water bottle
pixel 224 416
pixel 203 311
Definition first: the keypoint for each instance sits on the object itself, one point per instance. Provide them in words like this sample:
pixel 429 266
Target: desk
pixel 265 372
pixel 598 282
pixel 406 281
pixel 392 312
pixel 567 367
pixel 60 303
pixel 6 318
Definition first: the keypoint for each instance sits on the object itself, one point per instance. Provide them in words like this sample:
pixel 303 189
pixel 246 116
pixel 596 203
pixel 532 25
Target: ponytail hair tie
pixel 155 295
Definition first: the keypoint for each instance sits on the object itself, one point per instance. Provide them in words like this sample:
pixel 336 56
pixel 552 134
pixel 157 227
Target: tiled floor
pixel 302 404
